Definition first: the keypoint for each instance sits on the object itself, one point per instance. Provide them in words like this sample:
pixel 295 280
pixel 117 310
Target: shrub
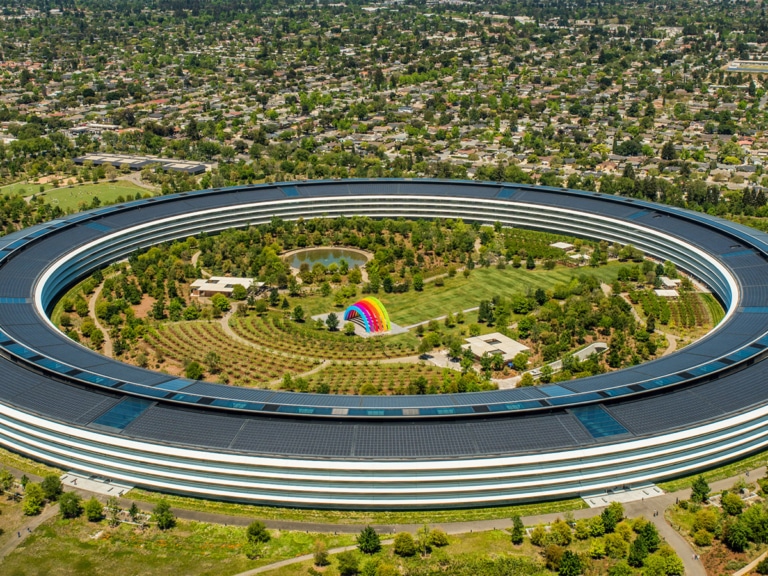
pixel 706 519
pixel 257 532
pixel 94 511
pixel 349 563
pixel 732 504
pixel 762 567
pixel 404 544
pixel 438 538
pixel 702 538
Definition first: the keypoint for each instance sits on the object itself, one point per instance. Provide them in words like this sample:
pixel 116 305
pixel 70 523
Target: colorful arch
pixel 371 313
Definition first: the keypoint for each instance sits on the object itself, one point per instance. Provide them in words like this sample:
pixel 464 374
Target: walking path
pixel 298 559
pixel 26 529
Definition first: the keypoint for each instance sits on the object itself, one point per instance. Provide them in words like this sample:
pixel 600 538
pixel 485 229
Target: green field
pixel 23 188
pixel 461 293
pixel 78 547
pixel 70 198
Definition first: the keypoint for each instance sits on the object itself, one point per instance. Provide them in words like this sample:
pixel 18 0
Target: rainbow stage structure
pixel 370 314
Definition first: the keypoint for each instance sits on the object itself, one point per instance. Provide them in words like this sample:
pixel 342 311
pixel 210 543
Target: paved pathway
pixel 26 529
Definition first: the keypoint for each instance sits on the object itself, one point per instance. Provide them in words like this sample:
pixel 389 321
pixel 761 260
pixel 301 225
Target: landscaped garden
pixel 442 281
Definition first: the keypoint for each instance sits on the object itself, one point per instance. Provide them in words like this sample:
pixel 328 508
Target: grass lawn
pixel 461 293
pixel 69 198
pixel 78 547
pixel 729 470
pixel 23 188
pixel 11 518
pixel 360 517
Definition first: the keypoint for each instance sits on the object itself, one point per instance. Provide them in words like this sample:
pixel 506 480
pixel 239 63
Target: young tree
pixel 526 380
pixel 113 511
pixel 298 314
pixel 260 306
pixel 70 505
pixel 349 329
pixel 321 554
pixel 611 516
pixel 368 541
pixel 700 490
pixel 94 511
pixel 423 540
pixel 163 516
pixel 239 292
pixel 193 371
pixel 52 488
pixel 34 500
pixel 332 321
pixel 518 530
pixel 6 480
pixel 736 535
pixel 650 537
pixel 570 564
pixel 220 303
pixel 349 563
pixel 257 532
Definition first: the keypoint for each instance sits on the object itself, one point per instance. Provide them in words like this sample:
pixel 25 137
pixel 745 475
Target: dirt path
pixel 106 348
pixel 26 529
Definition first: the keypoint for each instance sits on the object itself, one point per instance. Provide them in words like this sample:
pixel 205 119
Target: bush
pixel 349 563
pixel 257 532
pixel 732 504
pixel 193 371
pixel 762 567
pixel 404 544
pixel 706 519
pixel 702 538
pixel 94 511
pixel 438 538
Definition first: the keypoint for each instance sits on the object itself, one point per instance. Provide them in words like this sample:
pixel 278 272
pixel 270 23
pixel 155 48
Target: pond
pixel 326 256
